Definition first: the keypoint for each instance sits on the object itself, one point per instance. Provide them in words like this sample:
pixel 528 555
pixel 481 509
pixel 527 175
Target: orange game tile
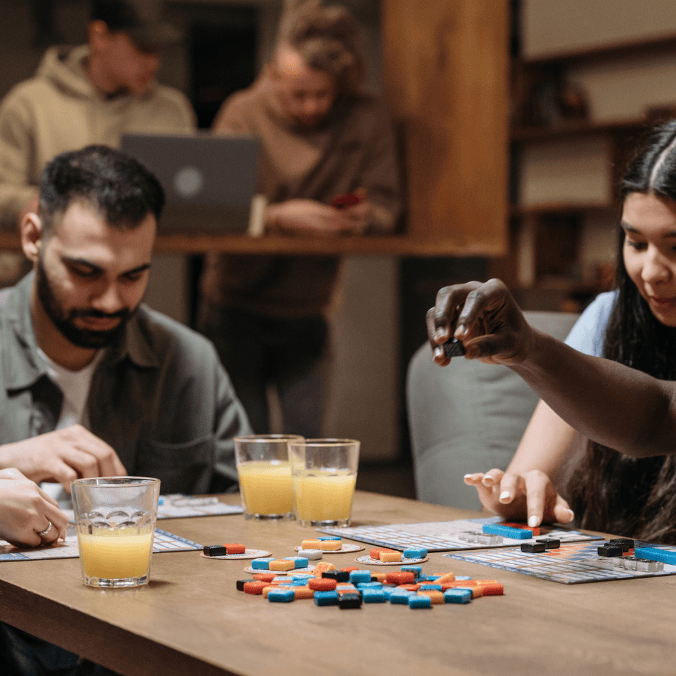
pixel 390 557
pixel 234 548
pixel 435 595
pixel 282 564
pixel 323 567
pixel 446 577
pixel 303 592
pixel 254 587
pixel 322 584
pixel 400 577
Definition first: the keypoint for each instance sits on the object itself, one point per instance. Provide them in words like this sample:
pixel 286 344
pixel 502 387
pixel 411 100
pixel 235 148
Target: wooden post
pixel 445 68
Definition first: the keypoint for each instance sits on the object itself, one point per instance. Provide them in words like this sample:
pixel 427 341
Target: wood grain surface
pixel 191 619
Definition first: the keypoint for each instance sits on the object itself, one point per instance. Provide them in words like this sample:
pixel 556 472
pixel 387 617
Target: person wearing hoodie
pixel 89 94
pixel 329 167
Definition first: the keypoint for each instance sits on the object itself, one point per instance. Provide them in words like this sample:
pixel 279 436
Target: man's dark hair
pixel 114 183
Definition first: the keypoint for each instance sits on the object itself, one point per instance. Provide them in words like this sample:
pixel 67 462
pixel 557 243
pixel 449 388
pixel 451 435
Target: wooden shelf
pixel 386 245
pixel 563 208
pixel 576 128
pixel 609 50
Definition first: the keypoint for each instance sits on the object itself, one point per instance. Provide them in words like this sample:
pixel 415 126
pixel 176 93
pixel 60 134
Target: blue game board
pixel 443 536
pixel 572 563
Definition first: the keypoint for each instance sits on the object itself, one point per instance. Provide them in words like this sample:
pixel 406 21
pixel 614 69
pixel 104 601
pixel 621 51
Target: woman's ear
pixel 31 236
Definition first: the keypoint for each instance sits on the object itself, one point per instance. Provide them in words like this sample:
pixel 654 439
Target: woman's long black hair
pixel 610 491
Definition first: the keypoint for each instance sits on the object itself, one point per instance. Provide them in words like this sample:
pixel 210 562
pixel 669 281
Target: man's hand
pixel 301 215
pixel 26 511
pixel 527 497
pixel 62 456
pixel 485 318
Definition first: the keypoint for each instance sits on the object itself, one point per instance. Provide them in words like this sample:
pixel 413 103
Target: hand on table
pixel 62 456
pixel 26 511
pixel 485 318
pixel 527 497
pixel 312 216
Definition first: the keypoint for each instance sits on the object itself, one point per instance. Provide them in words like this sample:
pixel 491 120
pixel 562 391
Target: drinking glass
pixel 115 520
pixel 265 475
pixel 324 476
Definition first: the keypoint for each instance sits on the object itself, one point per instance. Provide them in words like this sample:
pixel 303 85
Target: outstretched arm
pixel 610 403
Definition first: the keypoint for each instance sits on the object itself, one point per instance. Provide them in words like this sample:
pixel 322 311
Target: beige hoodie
pixel 59 110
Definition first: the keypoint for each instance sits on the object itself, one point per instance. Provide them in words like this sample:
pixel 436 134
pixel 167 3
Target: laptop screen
pixel 209 180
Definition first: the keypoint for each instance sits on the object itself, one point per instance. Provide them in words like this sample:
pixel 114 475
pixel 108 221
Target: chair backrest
pixel 468 417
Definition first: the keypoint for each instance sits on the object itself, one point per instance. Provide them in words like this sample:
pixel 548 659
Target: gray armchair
pixel 467 417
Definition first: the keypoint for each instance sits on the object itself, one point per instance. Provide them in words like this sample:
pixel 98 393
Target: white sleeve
pixel 589 331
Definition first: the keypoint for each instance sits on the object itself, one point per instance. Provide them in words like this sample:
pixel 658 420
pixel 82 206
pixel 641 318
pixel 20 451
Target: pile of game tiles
pixel 351 586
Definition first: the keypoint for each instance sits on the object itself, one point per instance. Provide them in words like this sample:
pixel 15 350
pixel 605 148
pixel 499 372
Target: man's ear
pixel 31 236
pixel 97 32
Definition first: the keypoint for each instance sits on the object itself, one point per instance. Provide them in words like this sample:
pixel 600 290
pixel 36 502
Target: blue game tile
pixel 421 601
pixel 326 598
pixel 416 570
pixel 429 585
pixel 360 576
pixel 656 554
pixel 401 596
pixel 373 596
pixel 508 531
pixel 457 596
pixel 281 595
pixel 261 564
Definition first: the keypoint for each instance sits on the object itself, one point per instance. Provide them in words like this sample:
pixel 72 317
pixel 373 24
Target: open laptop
pixel 209 180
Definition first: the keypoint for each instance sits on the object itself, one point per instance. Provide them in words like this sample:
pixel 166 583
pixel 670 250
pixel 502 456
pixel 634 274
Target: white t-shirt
pixel 74 386
pixel 590 329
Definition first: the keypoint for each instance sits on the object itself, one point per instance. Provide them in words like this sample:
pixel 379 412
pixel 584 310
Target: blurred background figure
pixel 86 94
pixel 329 168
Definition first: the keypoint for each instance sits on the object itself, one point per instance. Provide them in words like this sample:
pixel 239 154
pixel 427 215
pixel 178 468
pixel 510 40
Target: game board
pixel 179 506
pixel 442 536
pixel 163 542
pixel 572 563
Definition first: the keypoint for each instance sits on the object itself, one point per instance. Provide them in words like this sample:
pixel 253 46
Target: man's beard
pixel 63 320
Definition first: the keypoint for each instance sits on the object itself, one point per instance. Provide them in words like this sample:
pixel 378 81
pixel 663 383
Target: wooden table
pixel 192 620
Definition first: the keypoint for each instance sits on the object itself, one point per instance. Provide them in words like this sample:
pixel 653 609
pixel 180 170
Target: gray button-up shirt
pixel 160 396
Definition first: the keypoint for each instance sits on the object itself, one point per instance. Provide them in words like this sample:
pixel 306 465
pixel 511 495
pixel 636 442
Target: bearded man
pixel 92 382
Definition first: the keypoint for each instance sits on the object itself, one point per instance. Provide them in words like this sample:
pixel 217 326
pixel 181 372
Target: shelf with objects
pixel 565 169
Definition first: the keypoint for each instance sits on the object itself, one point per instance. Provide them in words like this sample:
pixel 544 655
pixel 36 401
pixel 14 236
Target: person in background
pixel 87 94
pixel 329 168
pixel 634 325
pixel 92 382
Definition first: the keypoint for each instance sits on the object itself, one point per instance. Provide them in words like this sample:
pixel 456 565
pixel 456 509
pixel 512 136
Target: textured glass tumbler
pixel 324 476
pixel 265 475
pixel 115 519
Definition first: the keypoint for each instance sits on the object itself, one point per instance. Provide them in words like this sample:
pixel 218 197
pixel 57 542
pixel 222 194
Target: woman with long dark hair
pixel 635 325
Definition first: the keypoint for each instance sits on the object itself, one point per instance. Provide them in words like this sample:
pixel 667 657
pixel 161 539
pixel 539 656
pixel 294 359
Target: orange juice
pixel 115 553
pixel 324 496
pixel 266 487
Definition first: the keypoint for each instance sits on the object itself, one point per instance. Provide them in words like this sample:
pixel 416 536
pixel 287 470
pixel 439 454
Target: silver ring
pixel 45 532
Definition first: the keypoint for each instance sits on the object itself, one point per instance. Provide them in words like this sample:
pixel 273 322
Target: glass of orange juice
pixel 115 520
pixel 324 475
pixel 265 475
